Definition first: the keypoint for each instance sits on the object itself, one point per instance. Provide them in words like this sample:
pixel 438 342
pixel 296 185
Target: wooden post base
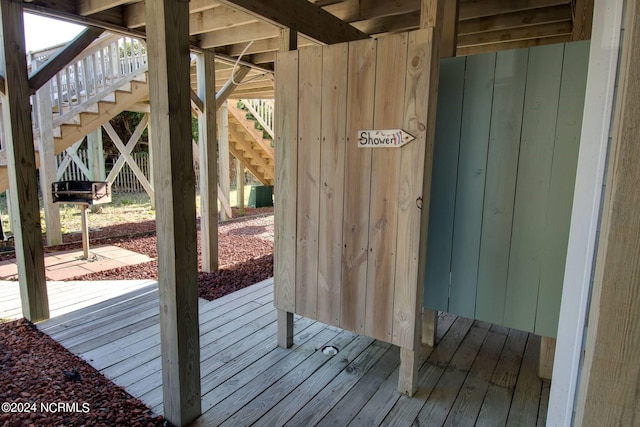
pixel 408 376
pixel 547 354
pixel 429 326
pixel 85 231
pixel 285 329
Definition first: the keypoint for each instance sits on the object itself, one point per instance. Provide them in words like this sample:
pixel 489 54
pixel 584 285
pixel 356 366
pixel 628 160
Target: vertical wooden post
pixel 21 162
pixel 429 326
pixel 169 92
pixel 431 17
pixel 96 160
pixel 205 68
pixel 223 151
pixel 85 231
pixel 288 41
pixel 48 167
pixel 240 186
pixel 96 155
pixel 611 373
pixel 151 168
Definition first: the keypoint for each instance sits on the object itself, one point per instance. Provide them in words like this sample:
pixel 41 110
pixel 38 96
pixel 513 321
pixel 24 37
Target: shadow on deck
pixel 478 374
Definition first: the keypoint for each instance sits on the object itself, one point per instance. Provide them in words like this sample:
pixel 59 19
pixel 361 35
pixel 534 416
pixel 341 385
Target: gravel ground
pixel 36 370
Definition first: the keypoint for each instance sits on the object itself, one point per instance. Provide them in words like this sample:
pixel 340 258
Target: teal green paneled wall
pixel 505 156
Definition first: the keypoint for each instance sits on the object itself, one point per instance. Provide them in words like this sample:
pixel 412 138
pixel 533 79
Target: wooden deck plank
pixel 284 368
pixel 311 377
pixel 544 404
pixel 352 402
pixel 495 407
pixel 247 378
pixel 333 392
pixel 469 400
pixel 526 397
pixel 441 400
pixel 406 409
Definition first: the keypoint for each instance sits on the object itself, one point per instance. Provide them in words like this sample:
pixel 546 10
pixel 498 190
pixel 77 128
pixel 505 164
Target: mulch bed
pixel 41 383
pixel 34 369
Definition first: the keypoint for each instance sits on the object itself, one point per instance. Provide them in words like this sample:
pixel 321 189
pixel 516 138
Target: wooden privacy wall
pixel 348 218
pixel 505 156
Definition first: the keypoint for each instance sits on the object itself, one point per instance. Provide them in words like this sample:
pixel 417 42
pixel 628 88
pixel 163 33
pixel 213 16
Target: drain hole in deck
pixel 330 350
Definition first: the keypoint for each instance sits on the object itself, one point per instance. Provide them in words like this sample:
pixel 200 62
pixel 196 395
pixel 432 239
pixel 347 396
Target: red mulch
pixel 37 374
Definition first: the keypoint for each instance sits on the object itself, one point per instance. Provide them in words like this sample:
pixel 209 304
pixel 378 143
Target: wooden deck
pixel 478 374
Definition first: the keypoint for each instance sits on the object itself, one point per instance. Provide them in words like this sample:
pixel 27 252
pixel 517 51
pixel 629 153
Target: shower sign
pixel 387 138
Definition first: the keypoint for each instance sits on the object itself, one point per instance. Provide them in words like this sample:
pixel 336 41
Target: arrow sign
pixel 386 138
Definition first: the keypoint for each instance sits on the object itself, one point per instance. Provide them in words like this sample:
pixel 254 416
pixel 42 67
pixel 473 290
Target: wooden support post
pixel 449 39
pixel 288 41
pixel 21 161
pixel 429 326
pixel 611 372
pixel 223 152
pixel 96 160
pixel 85 231
pixel 547 354
pixel 431 18
pixel 169 88
pixel 240 186
pixel 205 69
pixel 48 167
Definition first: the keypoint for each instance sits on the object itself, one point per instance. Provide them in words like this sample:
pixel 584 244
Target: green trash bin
pixel 261 196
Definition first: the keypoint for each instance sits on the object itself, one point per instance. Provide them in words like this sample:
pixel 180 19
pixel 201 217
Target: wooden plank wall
pixel 504 170
pixel 355 209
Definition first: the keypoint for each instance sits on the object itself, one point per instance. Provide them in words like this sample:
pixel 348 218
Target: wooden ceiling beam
pixel 516 19
pixel 216 19
pixel 514 34
pixel 513 44
pixel 360 10
pixel 302 16
pixel 134 13
pixel 90 7
pixel 239 34
pixel 470 9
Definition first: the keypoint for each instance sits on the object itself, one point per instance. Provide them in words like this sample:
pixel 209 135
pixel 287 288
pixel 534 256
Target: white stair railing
pixel 262 110
pixel 110 59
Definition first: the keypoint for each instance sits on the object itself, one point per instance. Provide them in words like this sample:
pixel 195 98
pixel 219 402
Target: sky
pixel 41 32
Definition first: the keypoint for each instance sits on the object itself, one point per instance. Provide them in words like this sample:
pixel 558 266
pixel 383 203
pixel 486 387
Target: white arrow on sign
pixel 386 138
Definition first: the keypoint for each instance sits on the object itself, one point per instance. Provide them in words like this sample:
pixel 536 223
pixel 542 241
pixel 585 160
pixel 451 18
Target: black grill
pixel 81 192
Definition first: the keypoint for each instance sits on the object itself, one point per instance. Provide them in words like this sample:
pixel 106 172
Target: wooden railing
pixel 109 61
pixel 262 110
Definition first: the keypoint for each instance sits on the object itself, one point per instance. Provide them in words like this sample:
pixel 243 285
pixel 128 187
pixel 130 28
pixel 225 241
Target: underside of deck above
pixel 249 29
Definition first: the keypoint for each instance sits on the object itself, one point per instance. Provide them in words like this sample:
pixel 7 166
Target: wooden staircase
pixel 95 87
pixel 248 145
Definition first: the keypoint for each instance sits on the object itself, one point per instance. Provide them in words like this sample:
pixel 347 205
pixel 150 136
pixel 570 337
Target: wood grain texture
pixel 502 164
pixel 208 165
pixel 385 164
pixel 48 167
pixel 472 170
pixel 537 139
pixel 286 170
pixel 609 392
pixel 308 198
pixel 222 128
pixel 407 300
pixel 169 91
pixel 361 83
pixel 335 62
pixel 18 139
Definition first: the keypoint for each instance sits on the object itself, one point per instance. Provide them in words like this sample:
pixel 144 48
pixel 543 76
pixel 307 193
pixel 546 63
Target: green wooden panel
pixel 532 189
pixel 504 142
pixel 563 174
pixel 474 144
pixel 443 184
